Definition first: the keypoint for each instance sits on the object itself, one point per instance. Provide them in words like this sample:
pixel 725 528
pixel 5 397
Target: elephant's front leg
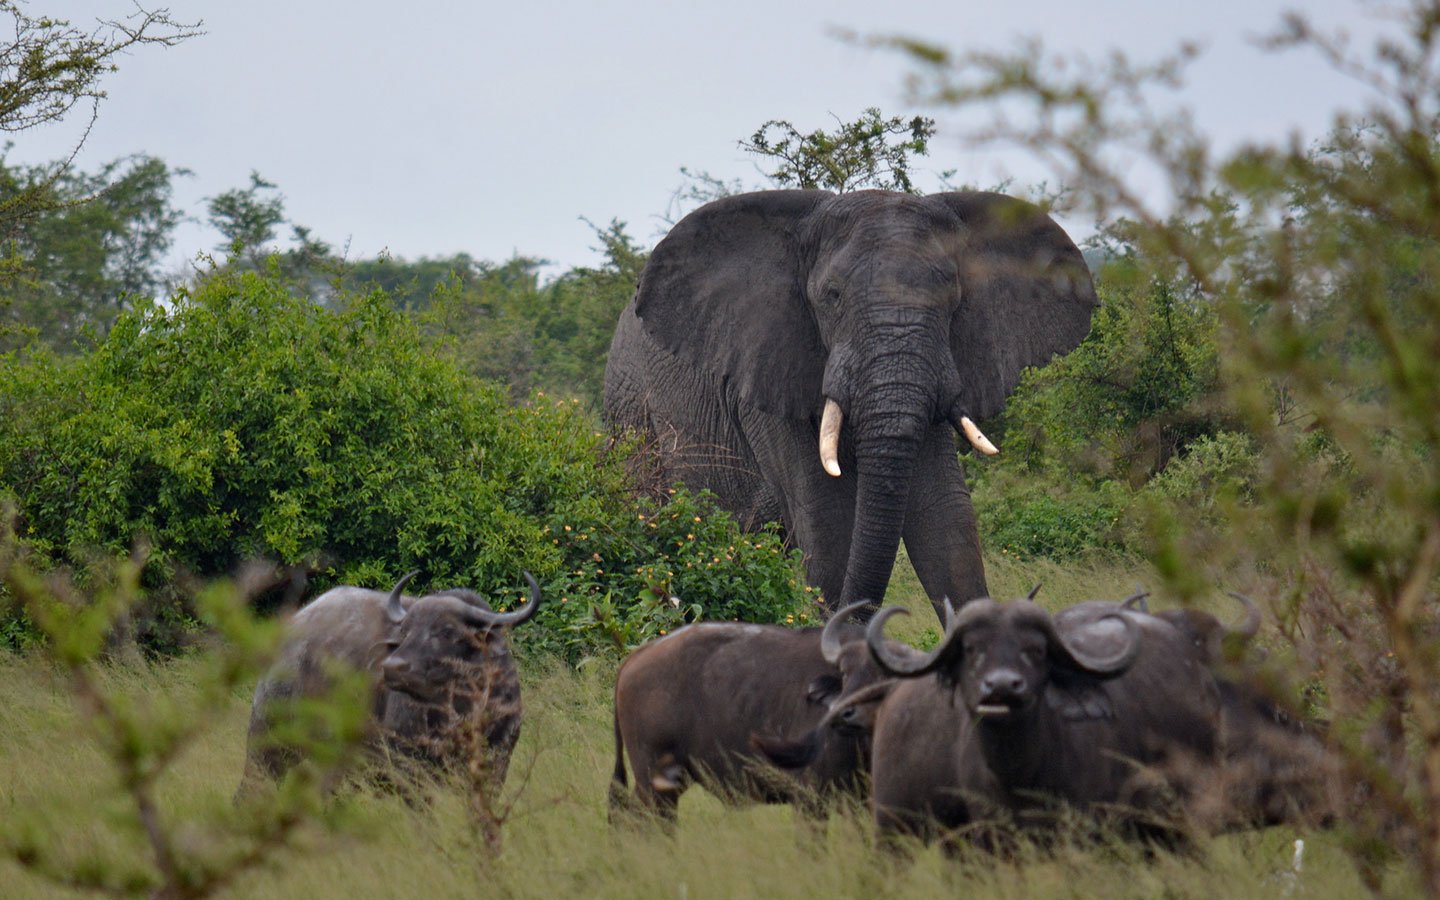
pixel 940 531
pixel 817 510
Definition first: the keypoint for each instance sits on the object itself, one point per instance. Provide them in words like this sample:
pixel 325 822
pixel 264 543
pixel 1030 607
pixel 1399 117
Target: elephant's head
pixel 874 317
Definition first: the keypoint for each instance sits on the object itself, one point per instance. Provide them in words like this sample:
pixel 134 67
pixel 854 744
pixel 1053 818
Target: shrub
pixel 1060 517
pixel 240 422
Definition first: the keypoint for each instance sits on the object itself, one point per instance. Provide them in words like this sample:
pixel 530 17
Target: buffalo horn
pixel 830 423
pixel 393 610
pixel 830 637
pixel 1249 626
pixel 893 662
pixel 1097 663
pixel 1136 601
pixel 492 619
pixel 870 693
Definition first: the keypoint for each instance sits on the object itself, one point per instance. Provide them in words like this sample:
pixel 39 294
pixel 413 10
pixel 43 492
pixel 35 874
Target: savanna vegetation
pixel 182 454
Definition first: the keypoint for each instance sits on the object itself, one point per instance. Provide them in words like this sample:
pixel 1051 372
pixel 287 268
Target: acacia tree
pixel 1322 264
pixel 870 152
pixel 47 68
pixel 50 66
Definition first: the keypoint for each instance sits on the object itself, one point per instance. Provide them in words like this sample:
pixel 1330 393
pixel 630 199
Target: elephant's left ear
pixel 1025 294
pixel 724 292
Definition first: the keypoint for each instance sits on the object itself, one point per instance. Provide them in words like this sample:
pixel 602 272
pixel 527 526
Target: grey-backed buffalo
pixel 443 683
pixel 692 707
pixel 1012 718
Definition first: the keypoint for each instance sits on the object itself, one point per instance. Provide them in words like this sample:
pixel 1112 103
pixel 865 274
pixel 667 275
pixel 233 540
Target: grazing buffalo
pixel 444 687
pixel 697 705
pixel 1012 717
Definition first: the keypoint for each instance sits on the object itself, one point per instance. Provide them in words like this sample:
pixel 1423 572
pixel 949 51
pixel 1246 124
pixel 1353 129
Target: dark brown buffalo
pixel 691 708
pixel 444 686
pixel 1275 767
pixel 1012 719
pixel 860 689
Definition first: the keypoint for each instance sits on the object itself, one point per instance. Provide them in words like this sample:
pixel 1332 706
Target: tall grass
pixel 557 843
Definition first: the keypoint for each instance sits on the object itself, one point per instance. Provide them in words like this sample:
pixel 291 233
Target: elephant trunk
pixel 892 395
pixel 882 494
pixel 887 435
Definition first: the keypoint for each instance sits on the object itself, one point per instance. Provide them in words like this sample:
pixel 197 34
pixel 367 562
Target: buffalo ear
pixel 1025 294
pixel 725 292
pixel 823 689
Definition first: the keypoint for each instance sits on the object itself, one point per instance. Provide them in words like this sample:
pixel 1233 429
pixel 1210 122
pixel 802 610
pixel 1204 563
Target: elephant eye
pixel 831 294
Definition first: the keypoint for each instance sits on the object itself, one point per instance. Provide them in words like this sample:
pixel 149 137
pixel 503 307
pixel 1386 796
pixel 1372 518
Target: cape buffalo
pixel 687 706
pixel 1275 768
pixel 443 684
pixel 1091 717
pixel 862 687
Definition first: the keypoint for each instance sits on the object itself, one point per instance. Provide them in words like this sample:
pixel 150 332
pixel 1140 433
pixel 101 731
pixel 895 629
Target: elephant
pixel 869 325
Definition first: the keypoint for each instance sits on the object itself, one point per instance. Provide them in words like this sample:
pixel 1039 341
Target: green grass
pixel 557 842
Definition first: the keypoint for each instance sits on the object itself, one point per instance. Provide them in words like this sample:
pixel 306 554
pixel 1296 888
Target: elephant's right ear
pixel 725 292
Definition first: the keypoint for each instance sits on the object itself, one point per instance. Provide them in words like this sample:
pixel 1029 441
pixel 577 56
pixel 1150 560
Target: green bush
pixel 239 422
pixel 1216 468
pixel 660 566
pixel 1059 516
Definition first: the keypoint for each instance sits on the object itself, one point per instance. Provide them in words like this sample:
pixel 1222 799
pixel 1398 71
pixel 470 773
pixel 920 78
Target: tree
pixel 1322 266
pixel 96 249
pixel 247 218
pixel 49 66
pixel 870 152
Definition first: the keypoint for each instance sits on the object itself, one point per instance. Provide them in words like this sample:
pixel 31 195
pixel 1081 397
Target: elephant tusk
pixel 977 439
pixel 830 424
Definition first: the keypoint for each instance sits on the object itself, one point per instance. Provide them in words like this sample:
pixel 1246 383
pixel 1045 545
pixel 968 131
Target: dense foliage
pixel 239 421
pixel 99 246
pixel 1321 266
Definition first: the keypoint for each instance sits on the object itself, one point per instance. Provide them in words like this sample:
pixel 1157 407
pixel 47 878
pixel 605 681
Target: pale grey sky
pixel 428 128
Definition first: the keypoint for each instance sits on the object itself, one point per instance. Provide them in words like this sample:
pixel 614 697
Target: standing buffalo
pixel 1275 768
pixel 860 689
pixel 1094 716
pixel 697 705
pixel 444 687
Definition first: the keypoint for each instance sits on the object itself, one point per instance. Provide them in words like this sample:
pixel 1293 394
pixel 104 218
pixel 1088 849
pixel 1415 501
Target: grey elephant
pixel 806 356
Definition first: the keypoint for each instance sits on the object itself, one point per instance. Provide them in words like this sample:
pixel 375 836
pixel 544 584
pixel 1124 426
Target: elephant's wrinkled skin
pixel 909 313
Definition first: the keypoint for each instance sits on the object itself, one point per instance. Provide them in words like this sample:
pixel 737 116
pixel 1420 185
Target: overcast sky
pixel 429 128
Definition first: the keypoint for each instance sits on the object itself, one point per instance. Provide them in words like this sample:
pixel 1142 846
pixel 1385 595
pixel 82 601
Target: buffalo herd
pixel 1103 713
